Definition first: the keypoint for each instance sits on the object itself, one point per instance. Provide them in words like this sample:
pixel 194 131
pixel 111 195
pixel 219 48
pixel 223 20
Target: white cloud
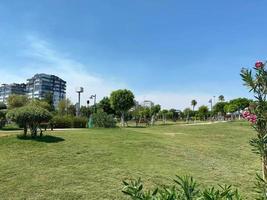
pixel 44 58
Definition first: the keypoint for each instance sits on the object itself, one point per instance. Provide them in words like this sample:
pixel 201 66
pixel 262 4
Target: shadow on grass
pixel 45 139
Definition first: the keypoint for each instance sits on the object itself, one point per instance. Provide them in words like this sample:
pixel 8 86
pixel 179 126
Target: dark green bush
pixel 102 119
pixel 79 122
pixel 61 122
pixel 2 119
pixel 68 122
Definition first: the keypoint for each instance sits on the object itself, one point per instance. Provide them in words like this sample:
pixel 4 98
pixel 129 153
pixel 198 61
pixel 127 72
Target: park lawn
pixel 91 164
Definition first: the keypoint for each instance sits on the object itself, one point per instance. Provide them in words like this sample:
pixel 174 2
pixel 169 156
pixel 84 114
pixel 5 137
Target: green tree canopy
pixel 203 112
pixel 122 101
pixel 29 116
pixel 193 104
pixel 16 101
pixel 105 105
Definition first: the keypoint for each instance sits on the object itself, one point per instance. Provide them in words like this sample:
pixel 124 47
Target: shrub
pixel 68 122
pixel 185 188
pixel 29 116
pixel 61 122
pixel 2 119
pixel 79 122
pixel 102 119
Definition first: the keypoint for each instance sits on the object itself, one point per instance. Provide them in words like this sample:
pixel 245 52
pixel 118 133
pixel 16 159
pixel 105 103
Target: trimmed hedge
pixel 68 122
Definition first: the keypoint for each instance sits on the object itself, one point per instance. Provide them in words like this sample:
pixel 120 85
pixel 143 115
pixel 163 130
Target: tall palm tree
pixel 221 98
pixel 193 104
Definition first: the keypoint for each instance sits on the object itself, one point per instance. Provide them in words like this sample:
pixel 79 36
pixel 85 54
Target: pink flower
pixel 250 117
pixel 259 64
pixel 246 114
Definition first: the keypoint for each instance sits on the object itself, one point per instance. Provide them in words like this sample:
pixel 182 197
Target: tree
pixel 154 111
pixel 40 103
pixel 86 111
pixel 29 116
pixel 122 101
pixel 105 105
pixel 219 108
pixel 193 104
pixel 71 110
pixel 50 100
pixel 188 113
pixel 62 107
pixel 221 98
pixel 16 101
pixel 163 114
pixel 203 112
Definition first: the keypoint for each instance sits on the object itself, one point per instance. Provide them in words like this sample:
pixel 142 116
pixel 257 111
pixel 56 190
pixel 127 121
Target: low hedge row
pixel 69 122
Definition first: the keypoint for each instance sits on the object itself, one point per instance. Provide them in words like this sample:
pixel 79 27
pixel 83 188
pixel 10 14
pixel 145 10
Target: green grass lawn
pixel 91 164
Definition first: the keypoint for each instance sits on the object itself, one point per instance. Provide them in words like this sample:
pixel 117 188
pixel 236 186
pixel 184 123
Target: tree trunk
pixel 122 120
pixel 25 129
pixel 152 120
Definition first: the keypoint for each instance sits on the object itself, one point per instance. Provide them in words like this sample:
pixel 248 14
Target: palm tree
pixel 193 103
pixel 221 98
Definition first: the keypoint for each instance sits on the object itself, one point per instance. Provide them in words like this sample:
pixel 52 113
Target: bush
pixel 61 122
pixel 184 188
pixel 2 119
pixel 68 122
pixel 79 122
pixel 29 116
pixel 102 119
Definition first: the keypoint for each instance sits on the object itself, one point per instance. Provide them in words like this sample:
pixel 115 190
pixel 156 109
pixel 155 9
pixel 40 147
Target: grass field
pixel 91 164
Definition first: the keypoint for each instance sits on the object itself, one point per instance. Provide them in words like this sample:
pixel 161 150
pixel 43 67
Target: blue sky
pixel 169 51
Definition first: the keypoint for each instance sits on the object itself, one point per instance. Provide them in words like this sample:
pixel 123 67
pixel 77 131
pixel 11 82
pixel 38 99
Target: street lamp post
pixel 94 97
pixel 79 91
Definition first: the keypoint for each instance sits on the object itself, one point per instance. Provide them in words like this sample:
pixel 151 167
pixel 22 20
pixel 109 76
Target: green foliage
pixel 2 106
pixel 185 188
pixel 86 111
pixel 29 116
pixel 105 105
pixel 257 83
pixel 61 121
pixel 49 99
pixel 102 119
pixel 122 101
pixel 193 104
pixel 79 122
pixel 221 98
pixel 71 110
pixel 16 101
pixel 220 108
pixel 2 118
pixel 40 103
pixel 203 112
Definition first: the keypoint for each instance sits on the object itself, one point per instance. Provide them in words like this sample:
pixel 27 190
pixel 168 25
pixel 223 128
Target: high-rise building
pixel 147 104
pixel 7 89
pixel 42 84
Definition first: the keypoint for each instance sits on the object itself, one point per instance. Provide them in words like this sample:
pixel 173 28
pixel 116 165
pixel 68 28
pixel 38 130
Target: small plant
pixel 185 188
